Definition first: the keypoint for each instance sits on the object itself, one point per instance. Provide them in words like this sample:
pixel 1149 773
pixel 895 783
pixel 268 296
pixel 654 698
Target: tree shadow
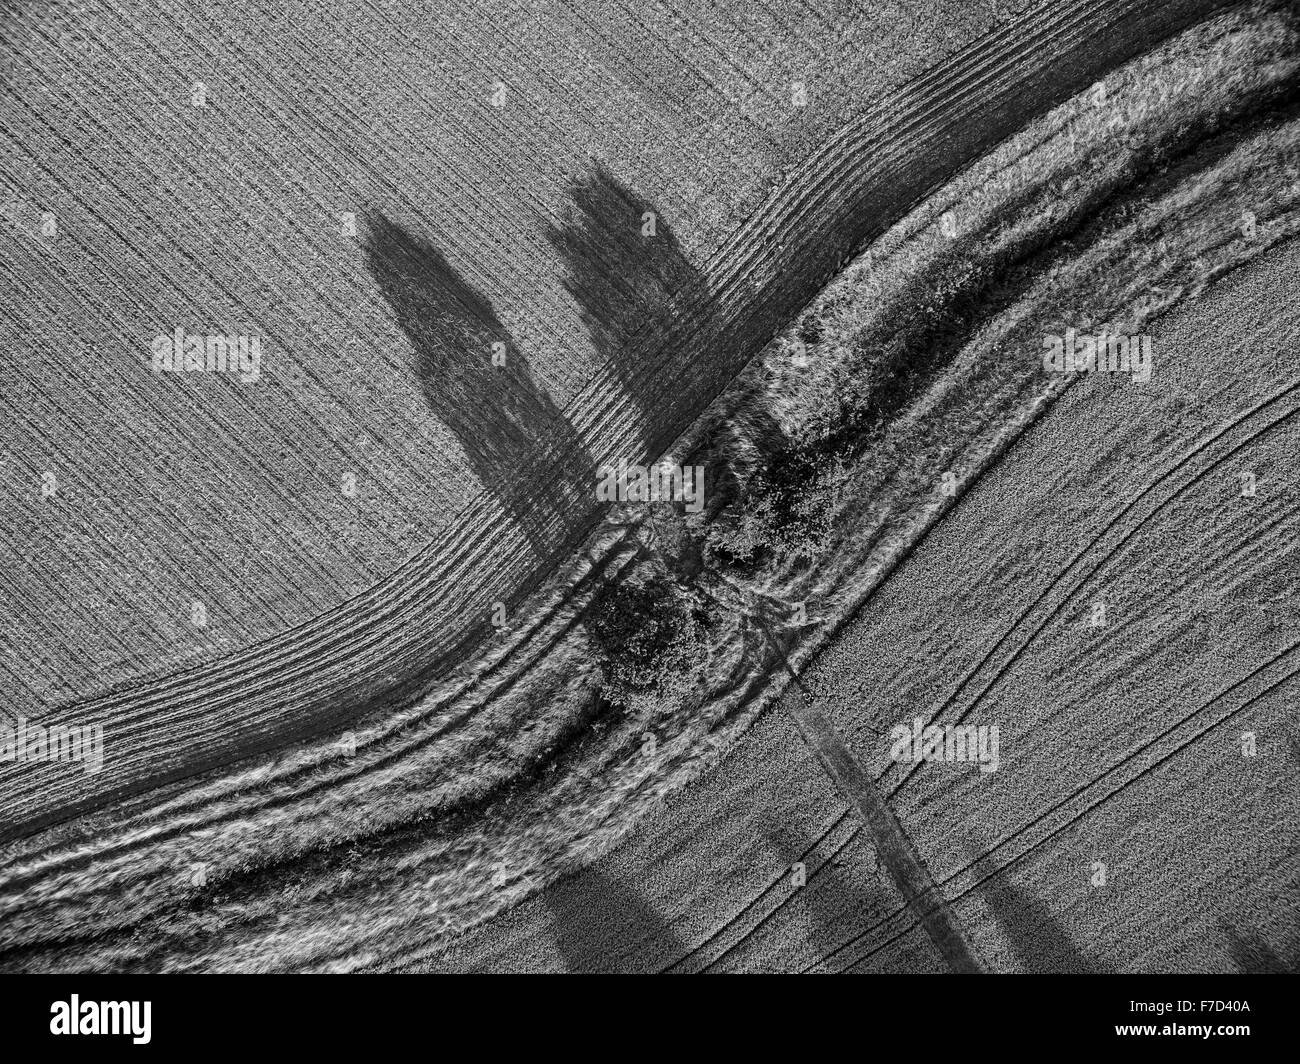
pixel 1039 940
pixel 838 904
pixel 624 278
pixel 601 926
pixel 479 384
pixel 1254 956
pixel 624 264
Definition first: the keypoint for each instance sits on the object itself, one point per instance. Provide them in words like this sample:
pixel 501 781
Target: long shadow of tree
pixel 624 263
pixel 838 905
pixel 519 443
pixel 1252 954
pixel 624 266
pixel 601 926
pixel 1039 940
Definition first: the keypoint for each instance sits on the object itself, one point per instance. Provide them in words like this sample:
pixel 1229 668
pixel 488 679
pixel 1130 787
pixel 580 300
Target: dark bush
pixel 648 636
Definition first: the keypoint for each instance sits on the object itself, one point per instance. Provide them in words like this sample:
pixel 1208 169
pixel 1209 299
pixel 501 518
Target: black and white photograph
pixel 632 487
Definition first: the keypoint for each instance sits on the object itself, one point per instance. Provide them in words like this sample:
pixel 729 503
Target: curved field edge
pixel 377 653
pixel 516 770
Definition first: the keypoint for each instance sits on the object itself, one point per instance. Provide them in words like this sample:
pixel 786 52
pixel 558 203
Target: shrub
pixel 648 636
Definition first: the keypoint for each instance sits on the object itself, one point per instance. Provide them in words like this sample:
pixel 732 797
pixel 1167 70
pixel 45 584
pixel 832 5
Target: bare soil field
pixel 904 424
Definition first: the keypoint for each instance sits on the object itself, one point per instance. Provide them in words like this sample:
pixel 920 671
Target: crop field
pixel 320 533
pixel 270 211
pixel 386 682
pixel 1215 890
